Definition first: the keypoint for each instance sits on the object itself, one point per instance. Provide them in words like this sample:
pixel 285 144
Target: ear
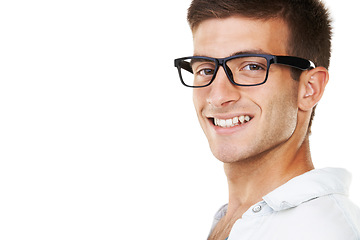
pixel 312 87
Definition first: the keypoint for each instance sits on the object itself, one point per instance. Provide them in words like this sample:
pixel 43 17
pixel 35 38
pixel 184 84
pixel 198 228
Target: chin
pixel 228 154
pixel 241 152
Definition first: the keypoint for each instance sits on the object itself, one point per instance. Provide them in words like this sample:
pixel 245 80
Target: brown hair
pixel 308 21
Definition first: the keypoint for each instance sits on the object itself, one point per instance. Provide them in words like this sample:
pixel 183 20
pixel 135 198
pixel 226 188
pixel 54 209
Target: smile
pixel 232 122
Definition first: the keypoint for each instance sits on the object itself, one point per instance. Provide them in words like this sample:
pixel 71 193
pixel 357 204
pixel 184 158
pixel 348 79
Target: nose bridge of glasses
pixel 224 90
pixel 227 70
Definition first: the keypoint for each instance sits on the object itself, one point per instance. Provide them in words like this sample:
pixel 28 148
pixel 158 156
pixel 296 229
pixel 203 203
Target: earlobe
pixel 312 87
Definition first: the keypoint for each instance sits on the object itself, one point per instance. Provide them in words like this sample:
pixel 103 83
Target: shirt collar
pixel 310 185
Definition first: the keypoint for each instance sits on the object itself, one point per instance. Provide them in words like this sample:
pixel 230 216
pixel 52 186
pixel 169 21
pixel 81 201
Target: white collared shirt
pixel 311 206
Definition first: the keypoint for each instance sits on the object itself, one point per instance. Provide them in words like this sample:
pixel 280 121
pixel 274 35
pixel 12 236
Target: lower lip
pixel 229 130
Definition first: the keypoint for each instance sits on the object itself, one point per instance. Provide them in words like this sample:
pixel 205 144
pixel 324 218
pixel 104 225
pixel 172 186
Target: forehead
pixel 222 37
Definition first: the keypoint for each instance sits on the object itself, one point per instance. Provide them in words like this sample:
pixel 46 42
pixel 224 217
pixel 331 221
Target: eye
pixel 252 67
pixel 206 72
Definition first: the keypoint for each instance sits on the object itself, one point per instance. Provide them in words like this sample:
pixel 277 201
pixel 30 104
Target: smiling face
pixel 243 123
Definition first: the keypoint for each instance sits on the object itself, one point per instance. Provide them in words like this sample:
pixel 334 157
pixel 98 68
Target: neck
pixel 252 179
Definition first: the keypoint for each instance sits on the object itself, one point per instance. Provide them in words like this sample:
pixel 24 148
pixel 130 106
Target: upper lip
pixel 229 116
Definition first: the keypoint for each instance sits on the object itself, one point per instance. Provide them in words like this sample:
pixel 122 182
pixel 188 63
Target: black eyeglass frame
pixel 296 62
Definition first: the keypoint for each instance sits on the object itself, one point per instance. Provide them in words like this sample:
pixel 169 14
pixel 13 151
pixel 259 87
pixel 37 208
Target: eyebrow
pixel 254 51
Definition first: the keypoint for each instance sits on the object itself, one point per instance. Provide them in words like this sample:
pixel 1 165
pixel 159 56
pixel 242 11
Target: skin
pixel 273 147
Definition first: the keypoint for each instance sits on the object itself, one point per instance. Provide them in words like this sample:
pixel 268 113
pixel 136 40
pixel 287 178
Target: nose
pixel 222 91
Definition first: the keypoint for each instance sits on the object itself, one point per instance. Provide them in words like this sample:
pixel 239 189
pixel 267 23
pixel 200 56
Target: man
pixel 259 69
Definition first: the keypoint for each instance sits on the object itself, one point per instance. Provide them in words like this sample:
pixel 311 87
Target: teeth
pixel 242 119
pixel 235 120
pixel 226 123
pixel 229 122
pixel 222 123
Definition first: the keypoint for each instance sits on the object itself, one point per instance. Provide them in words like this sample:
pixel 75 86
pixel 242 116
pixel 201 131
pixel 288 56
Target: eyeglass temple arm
pixel 184 65
pixel 295 62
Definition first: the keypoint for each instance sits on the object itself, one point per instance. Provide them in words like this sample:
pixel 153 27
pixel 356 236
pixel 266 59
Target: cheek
pixel 281 113
pixel 199 101
pixel 196 100
pixel 199 98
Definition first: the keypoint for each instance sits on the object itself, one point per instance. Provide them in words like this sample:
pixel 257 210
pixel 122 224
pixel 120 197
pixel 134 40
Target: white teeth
pixel 242 119
pixel 226 123
pixel 229 122
pixel 222 123
pixel 235 120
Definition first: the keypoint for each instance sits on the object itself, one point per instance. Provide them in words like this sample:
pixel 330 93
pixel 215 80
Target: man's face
pixel 271 108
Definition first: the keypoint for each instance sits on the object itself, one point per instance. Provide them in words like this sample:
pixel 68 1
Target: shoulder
pixel 332 216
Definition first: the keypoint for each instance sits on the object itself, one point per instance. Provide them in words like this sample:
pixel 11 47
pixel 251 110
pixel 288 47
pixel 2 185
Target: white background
pixel 99 139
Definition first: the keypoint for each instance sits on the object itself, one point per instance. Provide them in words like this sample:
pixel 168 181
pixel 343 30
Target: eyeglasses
pixel 242 70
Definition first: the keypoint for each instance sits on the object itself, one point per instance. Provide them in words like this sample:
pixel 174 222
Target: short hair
pixel 309 24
